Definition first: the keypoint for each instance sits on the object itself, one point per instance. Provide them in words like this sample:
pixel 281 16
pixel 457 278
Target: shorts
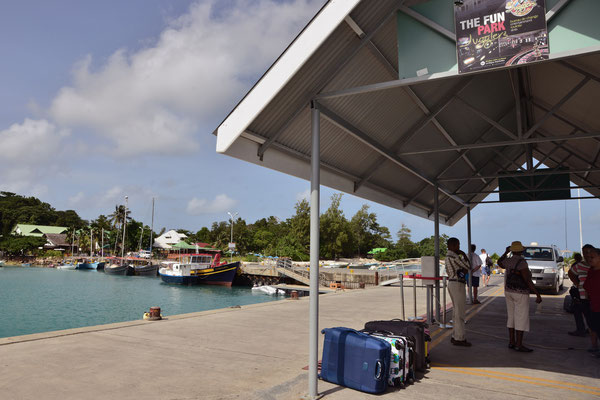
pixel 487 271
pixel 475 281
pixel 517 310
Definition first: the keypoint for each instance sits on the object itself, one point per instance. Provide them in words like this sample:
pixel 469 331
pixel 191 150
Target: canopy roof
pixel 392 140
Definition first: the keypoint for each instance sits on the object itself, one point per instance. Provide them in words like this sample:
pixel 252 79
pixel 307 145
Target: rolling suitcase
pixel 412 329
pixel 355 360
pixel 402 368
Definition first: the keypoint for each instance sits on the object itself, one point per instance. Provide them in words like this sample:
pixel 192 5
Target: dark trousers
pixel 581 310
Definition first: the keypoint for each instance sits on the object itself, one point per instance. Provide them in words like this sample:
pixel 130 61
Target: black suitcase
pixel 412 329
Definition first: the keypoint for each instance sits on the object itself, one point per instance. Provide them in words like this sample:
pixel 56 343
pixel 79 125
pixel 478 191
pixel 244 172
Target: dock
pixel 260 352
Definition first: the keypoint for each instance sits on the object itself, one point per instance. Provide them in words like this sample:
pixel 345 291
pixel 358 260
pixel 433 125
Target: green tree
pixel 427 246
pixel 405 246
pixel 335 230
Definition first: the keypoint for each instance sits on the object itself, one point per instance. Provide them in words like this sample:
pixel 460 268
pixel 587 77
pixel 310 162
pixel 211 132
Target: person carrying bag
pixel 517 287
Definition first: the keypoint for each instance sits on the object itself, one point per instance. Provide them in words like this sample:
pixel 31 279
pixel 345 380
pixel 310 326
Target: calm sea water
pixel 36 300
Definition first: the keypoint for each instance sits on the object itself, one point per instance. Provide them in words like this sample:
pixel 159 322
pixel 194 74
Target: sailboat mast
pixel 152 227
pixel 102 243
pixel 91 241
pixel 124 226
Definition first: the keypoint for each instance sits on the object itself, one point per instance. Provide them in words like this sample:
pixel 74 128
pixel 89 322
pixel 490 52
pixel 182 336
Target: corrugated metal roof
pixel 375 144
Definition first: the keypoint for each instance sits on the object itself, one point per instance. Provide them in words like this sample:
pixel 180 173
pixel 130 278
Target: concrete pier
pixel 260 351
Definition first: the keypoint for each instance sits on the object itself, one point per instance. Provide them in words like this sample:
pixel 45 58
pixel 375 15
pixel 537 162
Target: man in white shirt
pixel 475 272
pixel 486 262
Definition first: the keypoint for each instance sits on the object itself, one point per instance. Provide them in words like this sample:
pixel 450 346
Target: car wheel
pixel 556 287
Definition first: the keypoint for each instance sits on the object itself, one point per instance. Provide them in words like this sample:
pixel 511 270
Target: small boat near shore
pixel 200 269
pixel 270 290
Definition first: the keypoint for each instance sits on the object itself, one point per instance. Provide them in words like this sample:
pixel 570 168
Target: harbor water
pixel 34 300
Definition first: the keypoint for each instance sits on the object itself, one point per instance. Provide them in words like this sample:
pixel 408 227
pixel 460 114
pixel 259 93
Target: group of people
pixel 585 294
pixel 518 286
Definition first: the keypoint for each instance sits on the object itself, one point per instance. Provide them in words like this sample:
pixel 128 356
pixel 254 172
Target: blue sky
pixel 101 100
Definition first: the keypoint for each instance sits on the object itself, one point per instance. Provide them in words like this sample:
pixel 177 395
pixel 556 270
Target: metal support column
pixel 468 253
pixel 313 353
pixel 436 212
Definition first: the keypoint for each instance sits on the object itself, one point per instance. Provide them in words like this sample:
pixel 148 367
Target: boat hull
pixel 119 270
pixel 220 276
pixel 146 270
pixel 85 265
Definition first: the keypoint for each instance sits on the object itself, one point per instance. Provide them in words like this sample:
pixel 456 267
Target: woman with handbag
pixel 517 287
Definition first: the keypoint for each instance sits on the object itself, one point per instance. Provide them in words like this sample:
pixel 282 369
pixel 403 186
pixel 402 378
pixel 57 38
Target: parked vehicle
pixel 547 266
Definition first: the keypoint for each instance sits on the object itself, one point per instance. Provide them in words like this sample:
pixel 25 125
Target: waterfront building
pixel 168 239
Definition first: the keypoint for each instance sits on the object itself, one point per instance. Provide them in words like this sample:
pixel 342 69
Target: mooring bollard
pixel 401 278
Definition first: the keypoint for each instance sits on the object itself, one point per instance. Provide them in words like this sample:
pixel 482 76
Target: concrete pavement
pixel 259 351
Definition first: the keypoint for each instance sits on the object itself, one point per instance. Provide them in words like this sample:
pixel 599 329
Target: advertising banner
pixel 497 33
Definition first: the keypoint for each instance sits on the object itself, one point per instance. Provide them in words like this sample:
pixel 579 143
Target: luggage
pixel 411 329
pixel 568 304
pixel 355 360
pixel 402 368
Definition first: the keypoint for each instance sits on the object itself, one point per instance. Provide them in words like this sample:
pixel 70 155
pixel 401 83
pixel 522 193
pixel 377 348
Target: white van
pixel 546 265
pixel 145 254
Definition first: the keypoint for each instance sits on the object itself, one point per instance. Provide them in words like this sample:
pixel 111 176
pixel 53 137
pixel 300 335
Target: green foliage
pixel 15 209
pixel 269 236
pixel 21 245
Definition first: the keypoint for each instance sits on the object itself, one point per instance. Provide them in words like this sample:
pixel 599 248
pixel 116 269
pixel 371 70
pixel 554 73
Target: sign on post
pixel 498 33
pixel 231 246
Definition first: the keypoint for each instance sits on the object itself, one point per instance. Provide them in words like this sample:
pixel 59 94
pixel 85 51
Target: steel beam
pixel 498 201
pixel 451 164
pixel 579 70
pixel 556 9
pixel 551 171
pixel 438 108
pixel 543 139
pixel 315 186
pixel 429 23
pixel 327 79
pixel 487 119
pixel 375 87
pixel 558 105
pixel 379 148
pixel 530 190
pixel 259 139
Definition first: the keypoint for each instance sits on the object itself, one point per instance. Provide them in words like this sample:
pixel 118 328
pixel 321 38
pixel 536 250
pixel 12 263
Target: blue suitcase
pixel 355 360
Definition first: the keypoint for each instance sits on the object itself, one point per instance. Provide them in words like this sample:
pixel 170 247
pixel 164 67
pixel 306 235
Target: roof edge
pixel 288 64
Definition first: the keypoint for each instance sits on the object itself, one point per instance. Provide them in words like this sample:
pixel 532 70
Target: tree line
pixel 340 237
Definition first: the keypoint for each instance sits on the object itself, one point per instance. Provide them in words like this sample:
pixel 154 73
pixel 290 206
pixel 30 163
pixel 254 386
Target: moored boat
pixel 204 269
pixel 143 267
pixel 116 267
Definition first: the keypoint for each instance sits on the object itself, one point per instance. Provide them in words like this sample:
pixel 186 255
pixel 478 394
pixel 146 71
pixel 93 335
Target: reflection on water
pixel 39 299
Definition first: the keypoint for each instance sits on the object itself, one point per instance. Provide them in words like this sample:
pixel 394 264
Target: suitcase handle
pixel 378 370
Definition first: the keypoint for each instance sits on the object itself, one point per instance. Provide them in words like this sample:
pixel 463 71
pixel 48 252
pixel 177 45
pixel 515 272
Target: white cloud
pixel 77 199
pixel 154 100
pixel 305 195
pixel 29 156
pixel 222 203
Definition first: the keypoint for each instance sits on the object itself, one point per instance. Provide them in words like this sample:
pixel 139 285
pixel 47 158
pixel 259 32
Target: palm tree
pixel 116 218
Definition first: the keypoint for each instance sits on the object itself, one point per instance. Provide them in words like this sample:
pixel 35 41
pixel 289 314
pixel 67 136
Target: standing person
pixel 487 263
pixel 457 266
pixel 476 265
pixel 581 305
pixel 517 286
pixel 592 288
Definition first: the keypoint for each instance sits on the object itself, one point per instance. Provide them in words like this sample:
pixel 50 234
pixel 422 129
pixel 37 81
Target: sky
pixel 107 99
